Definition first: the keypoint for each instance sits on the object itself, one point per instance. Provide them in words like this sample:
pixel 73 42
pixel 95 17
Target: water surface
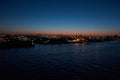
pixel 95 61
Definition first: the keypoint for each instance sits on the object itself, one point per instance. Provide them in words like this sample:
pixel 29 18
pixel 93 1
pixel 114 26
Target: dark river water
pixel 94 61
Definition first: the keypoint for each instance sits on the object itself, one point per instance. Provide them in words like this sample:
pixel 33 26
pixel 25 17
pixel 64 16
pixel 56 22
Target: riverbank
pixel 16 41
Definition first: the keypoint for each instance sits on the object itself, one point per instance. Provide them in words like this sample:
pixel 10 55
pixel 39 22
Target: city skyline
pixel 60 16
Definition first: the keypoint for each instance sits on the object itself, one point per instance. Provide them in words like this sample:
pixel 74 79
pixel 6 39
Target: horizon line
pixel 62 33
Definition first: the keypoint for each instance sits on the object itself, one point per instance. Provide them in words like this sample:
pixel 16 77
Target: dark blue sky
pixel 60 15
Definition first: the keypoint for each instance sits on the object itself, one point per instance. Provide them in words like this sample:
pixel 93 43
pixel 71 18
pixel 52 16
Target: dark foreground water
pixel 95 61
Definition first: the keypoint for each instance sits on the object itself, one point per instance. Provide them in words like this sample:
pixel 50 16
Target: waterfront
pixel 94 61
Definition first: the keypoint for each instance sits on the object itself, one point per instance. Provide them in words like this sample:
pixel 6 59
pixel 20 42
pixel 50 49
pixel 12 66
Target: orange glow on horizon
pixel 62 33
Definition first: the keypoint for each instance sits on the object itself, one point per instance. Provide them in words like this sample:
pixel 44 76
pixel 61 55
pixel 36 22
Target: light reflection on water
pixel 96 61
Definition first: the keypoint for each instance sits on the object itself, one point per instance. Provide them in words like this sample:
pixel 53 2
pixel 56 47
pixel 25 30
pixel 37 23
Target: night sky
pixel 60 16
